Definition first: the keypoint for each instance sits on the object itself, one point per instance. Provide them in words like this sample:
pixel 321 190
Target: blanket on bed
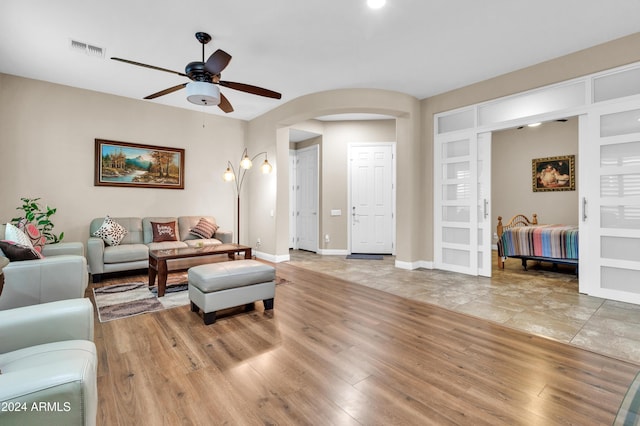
pixel 551 241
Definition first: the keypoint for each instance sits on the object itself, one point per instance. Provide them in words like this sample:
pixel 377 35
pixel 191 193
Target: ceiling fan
pixel 205 78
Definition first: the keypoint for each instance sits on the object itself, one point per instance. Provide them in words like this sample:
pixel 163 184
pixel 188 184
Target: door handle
pixel 584 209
pixel 486 209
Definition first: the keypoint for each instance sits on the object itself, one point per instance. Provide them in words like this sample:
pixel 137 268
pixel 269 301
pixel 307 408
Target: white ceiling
pixel 295 47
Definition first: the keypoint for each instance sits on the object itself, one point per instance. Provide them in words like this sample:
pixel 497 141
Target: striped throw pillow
pixel 204 229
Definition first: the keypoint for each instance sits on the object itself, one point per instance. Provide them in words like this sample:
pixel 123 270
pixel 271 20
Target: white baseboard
pixel 271 258
pixel 414 265
pixel 333 252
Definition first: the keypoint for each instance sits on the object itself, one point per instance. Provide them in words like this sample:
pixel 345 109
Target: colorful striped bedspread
pixel 551 241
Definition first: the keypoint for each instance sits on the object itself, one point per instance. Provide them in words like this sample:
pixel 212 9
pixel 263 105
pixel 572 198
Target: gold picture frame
pixel 138 166
pixel 554 173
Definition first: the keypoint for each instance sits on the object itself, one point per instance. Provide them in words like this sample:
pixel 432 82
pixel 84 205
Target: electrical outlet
pixel 327 239
pixel 258 242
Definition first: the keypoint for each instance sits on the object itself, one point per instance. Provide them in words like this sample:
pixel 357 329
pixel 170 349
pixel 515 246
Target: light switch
pixel 336 212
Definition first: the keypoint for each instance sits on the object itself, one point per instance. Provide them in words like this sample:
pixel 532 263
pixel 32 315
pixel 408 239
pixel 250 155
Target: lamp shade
pixel 246 162
pixel 203 93
pixel 228 175
pixel 266 167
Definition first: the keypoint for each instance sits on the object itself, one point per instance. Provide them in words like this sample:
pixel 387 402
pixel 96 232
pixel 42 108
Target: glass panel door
pixel 610 194
pixel 462 185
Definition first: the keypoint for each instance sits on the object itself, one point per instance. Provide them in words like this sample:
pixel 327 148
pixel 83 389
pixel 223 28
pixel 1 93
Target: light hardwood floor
pixel 335 352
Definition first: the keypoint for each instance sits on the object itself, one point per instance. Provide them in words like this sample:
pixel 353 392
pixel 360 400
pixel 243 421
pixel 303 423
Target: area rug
pixel 129 299
pixel 126 300
pixel 366 256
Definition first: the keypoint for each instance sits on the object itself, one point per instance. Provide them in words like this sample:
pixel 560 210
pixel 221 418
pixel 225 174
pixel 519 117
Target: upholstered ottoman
pixel 222 285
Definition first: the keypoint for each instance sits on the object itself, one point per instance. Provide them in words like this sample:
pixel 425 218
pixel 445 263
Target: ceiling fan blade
pixel 224 104
pixel 217 62
pixel 166 91
pixel 254 90
pixel 140 64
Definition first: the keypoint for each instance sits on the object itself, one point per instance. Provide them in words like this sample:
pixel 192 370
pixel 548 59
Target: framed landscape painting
pixel 136 165
pixel 554 173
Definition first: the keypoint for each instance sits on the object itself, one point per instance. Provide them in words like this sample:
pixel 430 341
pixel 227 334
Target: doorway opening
pixel 512 177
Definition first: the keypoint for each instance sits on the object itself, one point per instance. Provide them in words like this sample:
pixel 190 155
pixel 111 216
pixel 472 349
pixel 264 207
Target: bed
pixel 525 239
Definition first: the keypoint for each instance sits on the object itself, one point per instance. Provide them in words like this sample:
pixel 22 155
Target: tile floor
pixel 538 301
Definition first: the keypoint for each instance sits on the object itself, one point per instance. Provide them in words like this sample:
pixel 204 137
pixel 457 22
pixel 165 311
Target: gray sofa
pixel 133 251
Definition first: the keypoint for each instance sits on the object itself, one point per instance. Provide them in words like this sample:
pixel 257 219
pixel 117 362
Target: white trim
pixel 271 258
pixel 414 265
pixel 334 252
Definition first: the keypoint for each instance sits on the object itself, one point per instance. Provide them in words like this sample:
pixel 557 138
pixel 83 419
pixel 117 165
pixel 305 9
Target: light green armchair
pixel 61 275
pixel 48 364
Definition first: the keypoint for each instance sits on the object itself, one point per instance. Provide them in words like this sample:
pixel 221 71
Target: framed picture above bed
pixel 554 173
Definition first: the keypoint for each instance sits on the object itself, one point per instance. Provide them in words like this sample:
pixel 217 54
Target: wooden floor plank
pixel 334 352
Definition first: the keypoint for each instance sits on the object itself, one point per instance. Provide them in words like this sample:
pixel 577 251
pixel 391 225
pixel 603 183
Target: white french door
pixel 609 171
pixel 372 209
pixel 462 178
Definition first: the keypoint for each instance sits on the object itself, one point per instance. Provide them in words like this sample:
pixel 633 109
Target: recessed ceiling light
pixel 534 124
pixel 376 4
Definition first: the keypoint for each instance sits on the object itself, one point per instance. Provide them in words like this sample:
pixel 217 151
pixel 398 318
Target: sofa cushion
pixel 186 223
pixel 164 231
pixel 126 253
pixel 15 251
pixel 203 229
pixel 111 232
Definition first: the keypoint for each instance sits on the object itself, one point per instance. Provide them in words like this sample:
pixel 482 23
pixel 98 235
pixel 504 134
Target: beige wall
pixel 334 167
pixel 271 131
pixel 47 134
pixel 598 58
pixel 511 189
pixel 47 149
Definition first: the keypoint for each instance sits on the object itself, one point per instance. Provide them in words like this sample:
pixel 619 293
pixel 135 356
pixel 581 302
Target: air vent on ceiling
pixel 87 49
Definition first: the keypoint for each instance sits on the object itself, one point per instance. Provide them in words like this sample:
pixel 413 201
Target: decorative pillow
pixel 164 231
pixel 15 251
pixel 204 229
pixel 33 233
pixel 111 232
pixel 11 233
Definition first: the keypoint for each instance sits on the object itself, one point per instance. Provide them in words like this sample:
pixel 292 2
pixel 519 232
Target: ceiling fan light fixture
pixel 376 4
pixel 203 93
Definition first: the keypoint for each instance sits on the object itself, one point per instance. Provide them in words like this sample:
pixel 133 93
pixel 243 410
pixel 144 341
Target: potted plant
pixel 34 213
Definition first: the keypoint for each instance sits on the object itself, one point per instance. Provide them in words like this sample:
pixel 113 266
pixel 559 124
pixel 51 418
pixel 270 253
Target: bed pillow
pixel 204 229
pixel 111 232
pixel 16 252
pixel 164 231
pixel 33 233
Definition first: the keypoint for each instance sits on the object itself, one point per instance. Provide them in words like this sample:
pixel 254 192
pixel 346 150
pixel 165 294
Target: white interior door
pixel 609 170
pixel 307 199
pixel 293 158
pixel 372 211
pixel 462 202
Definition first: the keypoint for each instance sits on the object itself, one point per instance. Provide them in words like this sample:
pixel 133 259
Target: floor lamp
pixel 237 175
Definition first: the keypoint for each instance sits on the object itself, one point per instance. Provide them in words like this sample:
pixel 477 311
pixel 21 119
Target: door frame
pixel 350 147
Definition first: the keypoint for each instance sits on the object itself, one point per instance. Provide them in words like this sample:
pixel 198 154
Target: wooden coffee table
pixel 158 259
